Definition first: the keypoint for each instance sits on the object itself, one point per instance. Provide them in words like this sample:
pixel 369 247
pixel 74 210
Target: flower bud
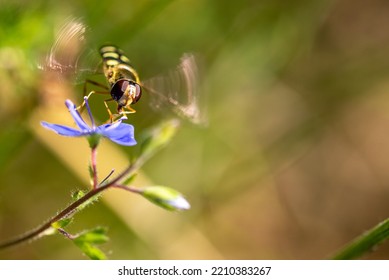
pixel 165 197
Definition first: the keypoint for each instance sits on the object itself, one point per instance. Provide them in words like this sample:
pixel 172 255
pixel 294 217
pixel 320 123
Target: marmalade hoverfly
pixel 175 90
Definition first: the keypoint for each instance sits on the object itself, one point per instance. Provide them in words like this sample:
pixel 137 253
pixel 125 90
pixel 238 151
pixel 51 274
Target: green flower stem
pixel 365 242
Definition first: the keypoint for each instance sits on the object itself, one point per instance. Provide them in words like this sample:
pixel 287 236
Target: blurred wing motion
pixel 69 56
pixel 178 91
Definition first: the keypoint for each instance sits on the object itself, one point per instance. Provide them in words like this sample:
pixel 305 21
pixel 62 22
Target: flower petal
pixel 63 130
pixel 76 116
pixel 180 203
pixel 118 132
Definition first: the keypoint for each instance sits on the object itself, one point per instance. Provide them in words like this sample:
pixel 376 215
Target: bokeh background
pixel 294 161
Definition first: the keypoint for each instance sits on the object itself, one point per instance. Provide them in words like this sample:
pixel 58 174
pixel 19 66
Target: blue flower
pixel 118 132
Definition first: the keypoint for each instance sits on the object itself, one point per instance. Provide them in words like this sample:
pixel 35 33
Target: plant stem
pixel 364 242
pixel 127 188
pixel 97 188
pixel 64 213
pixel 66 234
pixel 94 167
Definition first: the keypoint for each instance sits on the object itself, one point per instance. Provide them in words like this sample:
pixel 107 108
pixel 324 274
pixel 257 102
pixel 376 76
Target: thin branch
pixel 66 234
pixel 64 213
pixel 107 177
pixel 104 185
pixel 127 188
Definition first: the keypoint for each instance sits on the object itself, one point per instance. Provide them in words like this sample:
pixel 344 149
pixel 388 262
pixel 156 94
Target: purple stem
pixel 94 167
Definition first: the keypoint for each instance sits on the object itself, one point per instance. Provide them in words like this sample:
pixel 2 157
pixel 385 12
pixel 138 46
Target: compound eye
pixel 118 89
pixel 138 93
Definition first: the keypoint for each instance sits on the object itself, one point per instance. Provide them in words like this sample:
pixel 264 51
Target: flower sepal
pixel 94 140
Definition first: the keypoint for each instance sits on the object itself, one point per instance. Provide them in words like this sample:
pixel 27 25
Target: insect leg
pixel 122 112
pixel 111 116
pixel 130 110
pixel 87 81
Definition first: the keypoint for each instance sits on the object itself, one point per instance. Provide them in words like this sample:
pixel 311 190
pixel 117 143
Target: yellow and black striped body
pixel 117 65
pixel 122 78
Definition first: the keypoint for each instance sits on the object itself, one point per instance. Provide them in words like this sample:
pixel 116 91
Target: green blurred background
pixel 292 165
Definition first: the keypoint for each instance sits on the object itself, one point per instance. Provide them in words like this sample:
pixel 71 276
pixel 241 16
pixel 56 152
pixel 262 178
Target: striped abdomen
pixel 117 65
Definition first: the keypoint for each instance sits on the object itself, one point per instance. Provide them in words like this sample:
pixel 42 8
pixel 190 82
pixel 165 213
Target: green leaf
pixel 76 195
pixel 87 240
pixel 94 236
pixel 165 197
pixel 365 242
pixel 62 223
pixel 90 171
pixel 91 251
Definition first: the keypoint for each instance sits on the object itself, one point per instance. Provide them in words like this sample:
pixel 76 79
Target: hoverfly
pixel 123 81
pixel 175 90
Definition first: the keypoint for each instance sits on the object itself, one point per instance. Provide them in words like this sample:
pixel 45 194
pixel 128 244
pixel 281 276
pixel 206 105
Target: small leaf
pixel 165 197
pixel 62 223
pixel 87 240
pixel 79 194
pixel 76 195
pixel 91 251
pixel 90 171
pixel 94 236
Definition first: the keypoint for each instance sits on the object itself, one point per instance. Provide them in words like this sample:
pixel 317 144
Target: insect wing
pixel 178 91
pixel 72 59
pixel 69 55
